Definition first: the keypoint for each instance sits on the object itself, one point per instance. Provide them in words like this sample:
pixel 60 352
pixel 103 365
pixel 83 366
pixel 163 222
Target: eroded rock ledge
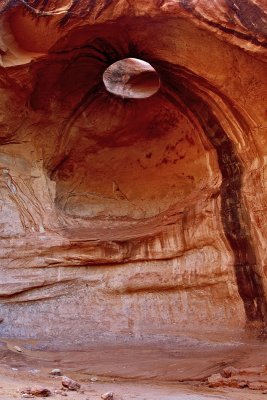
pixel 132 216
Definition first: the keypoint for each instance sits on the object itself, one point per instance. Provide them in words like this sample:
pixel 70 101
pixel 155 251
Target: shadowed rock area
pixel 133 193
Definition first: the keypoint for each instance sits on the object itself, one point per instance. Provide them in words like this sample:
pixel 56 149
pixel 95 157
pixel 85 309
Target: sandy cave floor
pixel 163 371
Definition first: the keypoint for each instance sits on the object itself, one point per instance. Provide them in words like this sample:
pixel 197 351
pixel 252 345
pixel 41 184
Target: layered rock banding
pixel 134 216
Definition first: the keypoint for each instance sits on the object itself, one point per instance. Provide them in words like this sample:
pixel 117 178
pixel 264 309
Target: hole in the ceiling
pixel 131 78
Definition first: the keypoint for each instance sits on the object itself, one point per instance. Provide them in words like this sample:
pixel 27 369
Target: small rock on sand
pixel 229 371
pixel 70 383
pixel 216 380
pixel 18 349
pixel 107 396
pixel 56 372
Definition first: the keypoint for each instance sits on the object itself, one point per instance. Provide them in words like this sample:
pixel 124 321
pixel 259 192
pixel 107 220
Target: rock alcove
pixel 133 168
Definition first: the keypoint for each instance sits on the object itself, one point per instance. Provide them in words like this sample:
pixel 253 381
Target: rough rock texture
pixel 132 216
pixel 255 378
pixel 37 391
pixel 70 383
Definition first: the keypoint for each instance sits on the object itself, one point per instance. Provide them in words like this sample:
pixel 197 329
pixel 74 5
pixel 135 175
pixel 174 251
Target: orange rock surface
pixel 132 217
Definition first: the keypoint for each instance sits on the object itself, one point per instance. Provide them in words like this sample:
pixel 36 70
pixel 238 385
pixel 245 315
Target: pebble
pixel 94 379
pixel 216 380
pixel 18 349
pixel 56 372
pixel 70 383
pixel 229 371
pixel 107 396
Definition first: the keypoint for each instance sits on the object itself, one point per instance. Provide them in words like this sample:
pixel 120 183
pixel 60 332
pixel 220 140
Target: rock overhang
pixel 121 179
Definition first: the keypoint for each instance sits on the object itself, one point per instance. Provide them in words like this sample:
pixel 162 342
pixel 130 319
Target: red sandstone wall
pixel 137 217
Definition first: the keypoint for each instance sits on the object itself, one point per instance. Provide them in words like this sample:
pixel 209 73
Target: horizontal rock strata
pixel 125 216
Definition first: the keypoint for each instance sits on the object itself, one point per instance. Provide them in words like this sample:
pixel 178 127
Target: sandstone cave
pixel 133 200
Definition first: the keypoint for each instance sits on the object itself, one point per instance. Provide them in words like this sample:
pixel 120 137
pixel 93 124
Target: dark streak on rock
pixel 40 8
pixel 235 219
pixel 178 87
pixel 240 35
pixel 250 15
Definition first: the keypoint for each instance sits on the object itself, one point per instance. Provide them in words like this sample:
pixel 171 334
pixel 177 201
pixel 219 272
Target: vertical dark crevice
pixel 235 219
pixel 234 216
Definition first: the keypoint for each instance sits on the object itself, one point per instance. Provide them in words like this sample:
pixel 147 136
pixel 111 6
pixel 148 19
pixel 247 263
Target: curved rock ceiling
pixel 125 216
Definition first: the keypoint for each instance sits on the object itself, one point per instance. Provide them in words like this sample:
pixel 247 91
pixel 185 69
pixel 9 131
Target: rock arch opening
pixel 131 78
